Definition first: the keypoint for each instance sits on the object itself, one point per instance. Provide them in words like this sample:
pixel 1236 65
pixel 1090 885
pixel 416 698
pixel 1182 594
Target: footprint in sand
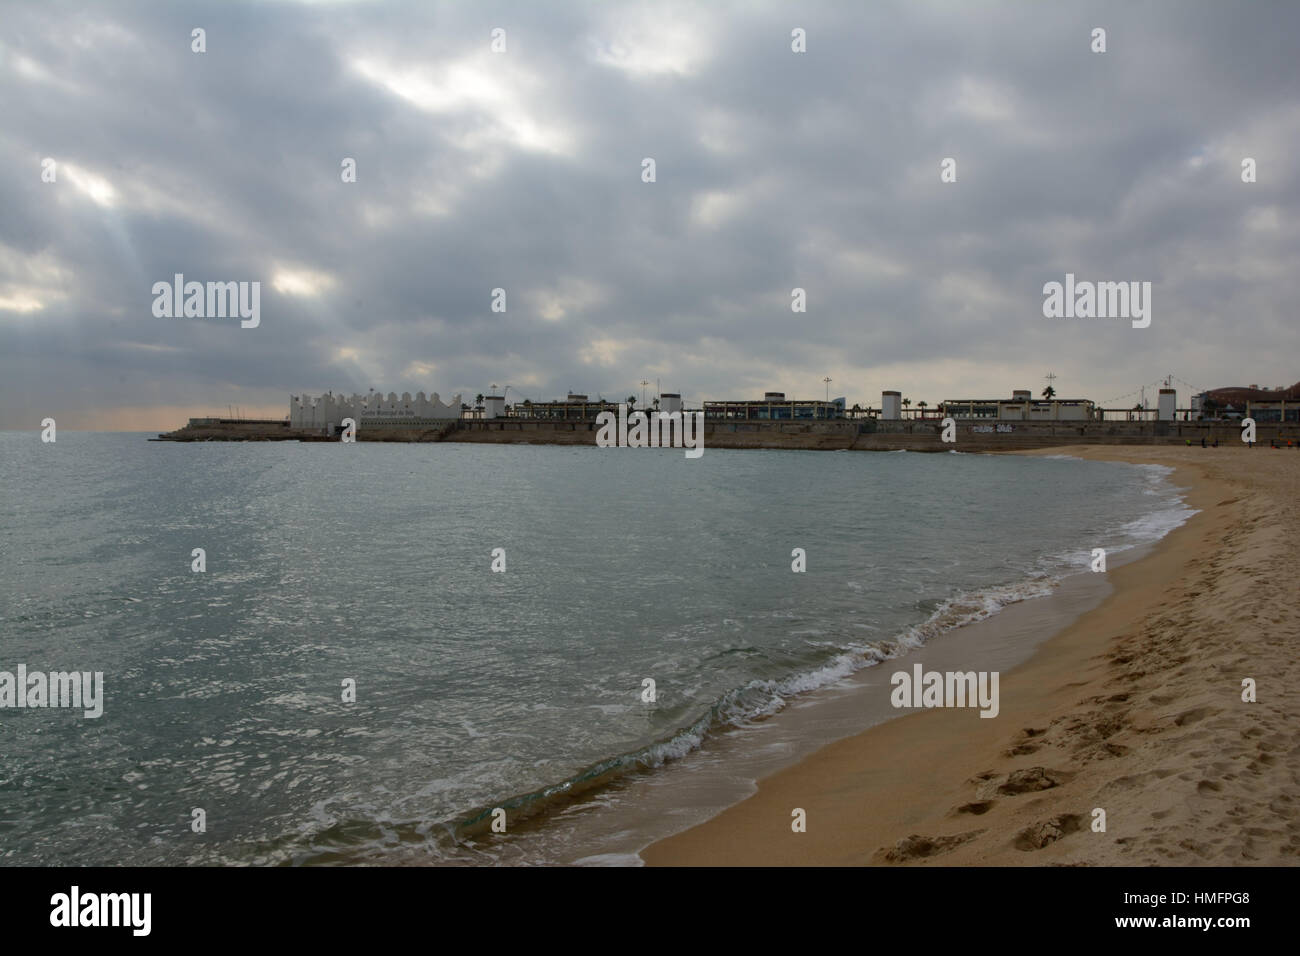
pixel 917 847
pixel 1029 781
pixel 1193 715
pixel 1047 832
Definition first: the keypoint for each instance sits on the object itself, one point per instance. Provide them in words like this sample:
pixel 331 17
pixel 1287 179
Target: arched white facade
pixel 329 410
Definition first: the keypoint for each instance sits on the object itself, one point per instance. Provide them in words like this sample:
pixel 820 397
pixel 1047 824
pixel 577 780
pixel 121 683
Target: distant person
pixel 1216 442
pixel 1202 441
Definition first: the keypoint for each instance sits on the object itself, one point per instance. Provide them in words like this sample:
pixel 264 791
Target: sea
pixel 479 654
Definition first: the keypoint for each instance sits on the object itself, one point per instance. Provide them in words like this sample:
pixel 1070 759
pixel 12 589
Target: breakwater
pixel 847 434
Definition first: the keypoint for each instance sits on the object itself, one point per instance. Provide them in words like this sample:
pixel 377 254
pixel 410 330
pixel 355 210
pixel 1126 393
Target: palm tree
pixel 907 403
pixel 1049 392
pixel 631 402
pixel 478 399
pixel 921 405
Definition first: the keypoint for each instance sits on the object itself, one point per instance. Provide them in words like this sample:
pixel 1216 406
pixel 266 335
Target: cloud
pixel 301 282
pixel 522 170
pixel 98 189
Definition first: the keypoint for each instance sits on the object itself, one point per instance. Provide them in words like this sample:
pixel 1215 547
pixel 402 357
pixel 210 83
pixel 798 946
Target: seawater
pixel 370 563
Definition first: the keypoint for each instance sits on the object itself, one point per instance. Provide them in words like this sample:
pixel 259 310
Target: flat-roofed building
pixel 774 406
pixel 1021 407
pixel 575 408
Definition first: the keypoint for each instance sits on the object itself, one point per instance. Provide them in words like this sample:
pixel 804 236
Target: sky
pixel 522 169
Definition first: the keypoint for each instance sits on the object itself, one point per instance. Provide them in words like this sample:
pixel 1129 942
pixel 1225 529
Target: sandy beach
pixel 1136 709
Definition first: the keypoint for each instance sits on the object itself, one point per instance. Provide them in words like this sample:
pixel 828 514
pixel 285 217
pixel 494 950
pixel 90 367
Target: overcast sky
pixel 522 170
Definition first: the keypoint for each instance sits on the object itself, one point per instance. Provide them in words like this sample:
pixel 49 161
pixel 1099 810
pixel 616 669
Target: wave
pixel 1130 533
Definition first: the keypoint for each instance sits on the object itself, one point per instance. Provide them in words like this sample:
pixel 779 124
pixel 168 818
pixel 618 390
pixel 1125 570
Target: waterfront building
pixel 1021 407
pixel 1262 404
pixel 891 406
pixel 326 412
pixel 575 408
pixel 774 406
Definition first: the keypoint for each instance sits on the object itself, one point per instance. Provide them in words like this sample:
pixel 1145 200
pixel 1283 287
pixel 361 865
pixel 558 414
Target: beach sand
pixel 1135 708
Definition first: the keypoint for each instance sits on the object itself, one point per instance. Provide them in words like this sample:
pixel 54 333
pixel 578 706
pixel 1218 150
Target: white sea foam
pixel 762 698
pixel 611 859
pixel 1157 524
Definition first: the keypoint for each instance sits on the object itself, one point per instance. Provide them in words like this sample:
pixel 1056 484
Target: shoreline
pixel 1133 708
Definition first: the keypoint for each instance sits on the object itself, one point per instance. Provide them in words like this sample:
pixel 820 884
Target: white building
pixel 1167 404
pixel 326 412
pixel 1021 408
pixel 891 405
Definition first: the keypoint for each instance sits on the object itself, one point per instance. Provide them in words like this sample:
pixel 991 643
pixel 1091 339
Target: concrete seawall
pixel 982 436
pixel 894 436
pixel 867 435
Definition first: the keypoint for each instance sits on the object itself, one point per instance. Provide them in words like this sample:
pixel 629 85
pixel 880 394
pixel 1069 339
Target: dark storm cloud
pixel 522 171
